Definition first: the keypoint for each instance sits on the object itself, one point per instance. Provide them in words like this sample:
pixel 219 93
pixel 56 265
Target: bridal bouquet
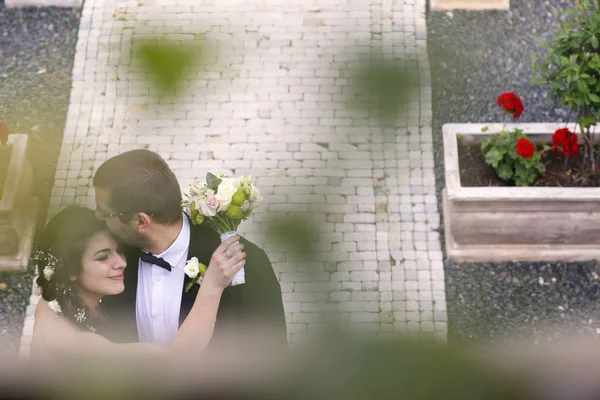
pixel 223 203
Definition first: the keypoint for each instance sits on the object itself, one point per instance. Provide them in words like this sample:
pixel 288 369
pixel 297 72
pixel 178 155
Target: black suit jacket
pixel 259 299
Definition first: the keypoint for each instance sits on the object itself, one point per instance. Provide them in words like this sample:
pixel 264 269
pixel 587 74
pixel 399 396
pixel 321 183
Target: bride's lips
pixel 116 277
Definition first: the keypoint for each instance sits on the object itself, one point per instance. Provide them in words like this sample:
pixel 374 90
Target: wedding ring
pixel 227 254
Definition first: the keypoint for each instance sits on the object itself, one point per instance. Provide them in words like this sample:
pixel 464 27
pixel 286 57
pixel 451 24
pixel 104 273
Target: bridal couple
pixel 112 279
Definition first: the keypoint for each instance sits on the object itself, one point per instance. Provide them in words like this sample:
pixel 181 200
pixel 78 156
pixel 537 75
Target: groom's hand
pixel 227 259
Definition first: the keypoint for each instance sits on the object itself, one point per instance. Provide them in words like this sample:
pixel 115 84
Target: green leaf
pixel 594 42
pixel 493 157
pixel 522 181
pixel 487 145
pixel 541 168
pixel 166 61
pixel 505 171
pixel 585 122
pixel 213 181
pixel 593 97
pixel 538 80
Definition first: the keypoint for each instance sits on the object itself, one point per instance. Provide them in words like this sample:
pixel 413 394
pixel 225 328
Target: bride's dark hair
pixel 66 237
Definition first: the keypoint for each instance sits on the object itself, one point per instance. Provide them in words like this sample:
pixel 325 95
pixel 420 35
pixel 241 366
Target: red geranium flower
pixel 511 103
pixel 565 141
pixel 525 148
pixel 3 134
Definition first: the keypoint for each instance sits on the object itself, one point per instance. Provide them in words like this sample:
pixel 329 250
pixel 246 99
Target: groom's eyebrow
pixel 101 251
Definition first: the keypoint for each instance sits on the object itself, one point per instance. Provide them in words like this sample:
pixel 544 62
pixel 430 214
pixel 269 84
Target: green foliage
pixel 500 151
pixel 166 61
pixel 294 234
pixel 213 181
pixel 571 63
pixel 381 87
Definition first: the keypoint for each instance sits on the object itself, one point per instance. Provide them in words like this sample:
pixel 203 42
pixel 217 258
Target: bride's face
pixel 102 266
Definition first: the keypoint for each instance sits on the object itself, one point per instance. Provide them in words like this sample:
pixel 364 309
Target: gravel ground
pixel 37 47
pixel 474 57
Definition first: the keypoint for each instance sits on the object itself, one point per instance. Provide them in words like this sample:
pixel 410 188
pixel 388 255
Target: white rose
pixel 192 268
pixel 48 272
pixel 54 306
pixel 225 191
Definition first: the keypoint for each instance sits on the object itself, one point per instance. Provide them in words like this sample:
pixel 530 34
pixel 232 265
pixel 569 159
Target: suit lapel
pixel 202 245
pixel 131 279
pixel 131 284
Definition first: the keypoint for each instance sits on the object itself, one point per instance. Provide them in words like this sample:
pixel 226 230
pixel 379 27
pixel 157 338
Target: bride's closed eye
pixel 102 255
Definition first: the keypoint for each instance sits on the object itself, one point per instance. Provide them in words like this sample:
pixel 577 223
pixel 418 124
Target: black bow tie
pixel 150 259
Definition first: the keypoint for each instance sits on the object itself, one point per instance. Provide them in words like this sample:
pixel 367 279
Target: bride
pixel 80 262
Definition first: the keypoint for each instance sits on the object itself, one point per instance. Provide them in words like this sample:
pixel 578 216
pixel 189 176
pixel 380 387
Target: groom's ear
pixel 142 222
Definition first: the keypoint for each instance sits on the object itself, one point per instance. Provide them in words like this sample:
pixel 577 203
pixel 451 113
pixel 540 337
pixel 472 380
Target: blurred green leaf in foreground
pixel 382 86
pixel 167 62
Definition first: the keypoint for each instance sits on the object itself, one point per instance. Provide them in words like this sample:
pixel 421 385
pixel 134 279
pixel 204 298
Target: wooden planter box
pixel 516 223
pixel 18 210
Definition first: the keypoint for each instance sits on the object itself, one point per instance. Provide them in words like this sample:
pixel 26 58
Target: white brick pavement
pixel 272 101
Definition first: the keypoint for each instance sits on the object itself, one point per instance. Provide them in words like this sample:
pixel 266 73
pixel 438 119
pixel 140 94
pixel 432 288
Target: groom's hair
pixel 141 181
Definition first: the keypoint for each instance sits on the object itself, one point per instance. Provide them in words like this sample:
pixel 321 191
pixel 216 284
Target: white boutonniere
pixel 195 270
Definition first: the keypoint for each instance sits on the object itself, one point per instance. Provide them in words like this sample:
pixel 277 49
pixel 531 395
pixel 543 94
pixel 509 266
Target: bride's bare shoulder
pixel 48 324
pixel 42 309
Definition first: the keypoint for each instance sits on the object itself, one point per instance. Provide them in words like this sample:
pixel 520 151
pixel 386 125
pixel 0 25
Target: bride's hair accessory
pixel 47 263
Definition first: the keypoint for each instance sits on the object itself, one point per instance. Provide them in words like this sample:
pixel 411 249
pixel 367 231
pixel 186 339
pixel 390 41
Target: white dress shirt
pixel 159 292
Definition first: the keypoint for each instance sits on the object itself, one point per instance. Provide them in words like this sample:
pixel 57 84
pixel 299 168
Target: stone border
pixel 516 223
pixel 439 5
pixel 43 3
pixel 27 334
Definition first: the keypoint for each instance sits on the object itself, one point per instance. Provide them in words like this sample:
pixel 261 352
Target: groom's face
pixel 125 232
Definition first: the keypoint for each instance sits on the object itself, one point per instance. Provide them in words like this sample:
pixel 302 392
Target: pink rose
pixel 212 202
pixel 208 206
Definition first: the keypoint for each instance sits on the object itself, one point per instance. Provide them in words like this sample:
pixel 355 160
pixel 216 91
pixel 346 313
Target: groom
pixel 139 198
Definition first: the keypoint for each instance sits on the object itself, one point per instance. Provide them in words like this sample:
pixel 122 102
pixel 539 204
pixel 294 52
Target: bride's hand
pixel 224 263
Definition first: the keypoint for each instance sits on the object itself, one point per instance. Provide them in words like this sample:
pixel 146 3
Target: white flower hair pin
pixel 54 306
pixel 49 263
